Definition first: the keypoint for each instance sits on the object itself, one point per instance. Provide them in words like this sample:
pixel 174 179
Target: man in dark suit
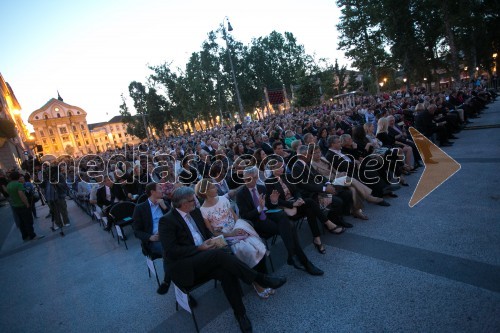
pixel 108 195
pixel 146 221
pixel 425 124
pixel 252 203
pixel 262 141
pixel 193 258
pixel 311 183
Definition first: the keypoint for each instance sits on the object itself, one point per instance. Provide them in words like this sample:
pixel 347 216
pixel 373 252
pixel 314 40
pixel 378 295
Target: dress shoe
pixel 383 203
pixel 244 322
pixel 268 281
pixel 313 270
pixel 344 224
pixel 295 262
pixel 163 288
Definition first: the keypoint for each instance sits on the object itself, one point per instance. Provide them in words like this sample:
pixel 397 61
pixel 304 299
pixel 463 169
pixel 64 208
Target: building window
pixel 63 130
pixel 106 138
pixel 46 117
pixel 51 132
pixel 87 142
pixel 96 141
pixel 77 112
pixel 74 128
pixel 76 136
pixel 119 135
pixel 58 115
pixel 79 144
pixel 85 134
pixel 69 113
pixel 82 127
pixel 41 133
pixel 65 138
pixel 36 117
pixel 53 141
pixel 44 142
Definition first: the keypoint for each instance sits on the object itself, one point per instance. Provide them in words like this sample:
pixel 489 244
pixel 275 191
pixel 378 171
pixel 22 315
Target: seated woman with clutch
pixel 244 241
pixel 296 207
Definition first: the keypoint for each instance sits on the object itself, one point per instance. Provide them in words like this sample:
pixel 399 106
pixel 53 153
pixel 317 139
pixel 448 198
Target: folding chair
pixel 150 261
pixel 273 239
pixel 122 216
pixel 187 292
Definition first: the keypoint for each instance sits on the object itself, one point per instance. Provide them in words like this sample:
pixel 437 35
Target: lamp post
pixel 230 28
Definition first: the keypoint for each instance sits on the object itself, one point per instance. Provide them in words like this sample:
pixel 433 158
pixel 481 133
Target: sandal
pixel 321 249
pixel 264 294
pixel 335 230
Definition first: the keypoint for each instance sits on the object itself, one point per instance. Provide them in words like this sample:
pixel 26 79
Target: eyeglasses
pixel 192 200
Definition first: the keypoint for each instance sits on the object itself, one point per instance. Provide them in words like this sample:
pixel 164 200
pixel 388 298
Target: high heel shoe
pixel 321 249
pixel 337 230
pixel 262 294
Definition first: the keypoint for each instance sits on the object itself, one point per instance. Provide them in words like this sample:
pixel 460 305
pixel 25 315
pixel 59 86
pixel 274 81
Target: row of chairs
pixel 121 216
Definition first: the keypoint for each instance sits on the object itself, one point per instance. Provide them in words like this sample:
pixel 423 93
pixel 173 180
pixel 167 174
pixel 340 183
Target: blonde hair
pixel 201 187
pixel 382 125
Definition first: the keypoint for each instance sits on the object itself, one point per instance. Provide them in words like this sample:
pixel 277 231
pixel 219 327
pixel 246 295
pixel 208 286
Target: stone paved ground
pixel 432 268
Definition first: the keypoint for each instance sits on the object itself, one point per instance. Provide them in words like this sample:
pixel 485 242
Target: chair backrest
pixel 142 198
pixel 122 210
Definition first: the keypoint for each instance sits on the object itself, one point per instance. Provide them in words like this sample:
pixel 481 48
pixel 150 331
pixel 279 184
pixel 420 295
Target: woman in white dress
pixel 244 241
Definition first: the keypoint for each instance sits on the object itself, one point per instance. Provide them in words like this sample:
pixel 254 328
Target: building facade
pixel 62 129
pixel 112 134
pixel 15 138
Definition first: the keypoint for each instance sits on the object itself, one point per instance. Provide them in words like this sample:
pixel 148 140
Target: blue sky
pixel 91 50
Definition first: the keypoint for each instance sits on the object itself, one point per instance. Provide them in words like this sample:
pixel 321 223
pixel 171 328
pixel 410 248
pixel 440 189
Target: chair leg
pixel 156 274
pixel 194 318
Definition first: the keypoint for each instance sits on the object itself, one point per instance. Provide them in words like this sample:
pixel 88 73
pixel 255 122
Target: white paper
pixel 182 299
pixel 151 265
pixel 119 231
pixel 340 181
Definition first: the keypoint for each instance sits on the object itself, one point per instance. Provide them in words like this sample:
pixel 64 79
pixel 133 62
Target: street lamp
pixel 230 28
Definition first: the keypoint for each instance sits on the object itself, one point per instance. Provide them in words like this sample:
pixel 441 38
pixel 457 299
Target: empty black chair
pixel 122 213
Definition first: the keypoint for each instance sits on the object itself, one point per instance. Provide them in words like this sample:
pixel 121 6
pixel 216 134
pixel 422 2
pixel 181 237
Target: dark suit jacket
pixel 178 243
pixel 246 206
pixel 424 123
pixel 307 180
pixel 339 163
pixel 143 221
pixel 101 197
pixel 273 184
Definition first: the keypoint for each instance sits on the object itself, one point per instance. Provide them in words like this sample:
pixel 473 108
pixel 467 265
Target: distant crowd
pixel 250 182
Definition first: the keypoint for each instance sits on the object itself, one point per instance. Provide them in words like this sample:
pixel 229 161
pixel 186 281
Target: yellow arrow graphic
pixel 439 166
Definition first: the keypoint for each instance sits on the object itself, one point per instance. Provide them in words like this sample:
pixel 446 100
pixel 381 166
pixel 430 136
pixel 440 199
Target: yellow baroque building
pixel 14 136
pixel 111 134
pixel 62 129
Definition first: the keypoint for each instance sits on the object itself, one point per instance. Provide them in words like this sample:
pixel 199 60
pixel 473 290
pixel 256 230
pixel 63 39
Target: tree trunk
pixel 450 37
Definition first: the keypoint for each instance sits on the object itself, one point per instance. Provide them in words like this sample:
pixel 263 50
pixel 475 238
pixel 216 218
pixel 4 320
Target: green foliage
pixel 308 92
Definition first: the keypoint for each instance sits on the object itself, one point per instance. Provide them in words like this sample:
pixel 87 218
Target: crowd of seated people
pixel 255 180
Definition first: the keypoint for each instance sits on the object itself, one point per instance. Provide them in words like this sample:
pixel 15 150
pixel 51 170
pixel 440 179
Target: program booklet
pixel 219 241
